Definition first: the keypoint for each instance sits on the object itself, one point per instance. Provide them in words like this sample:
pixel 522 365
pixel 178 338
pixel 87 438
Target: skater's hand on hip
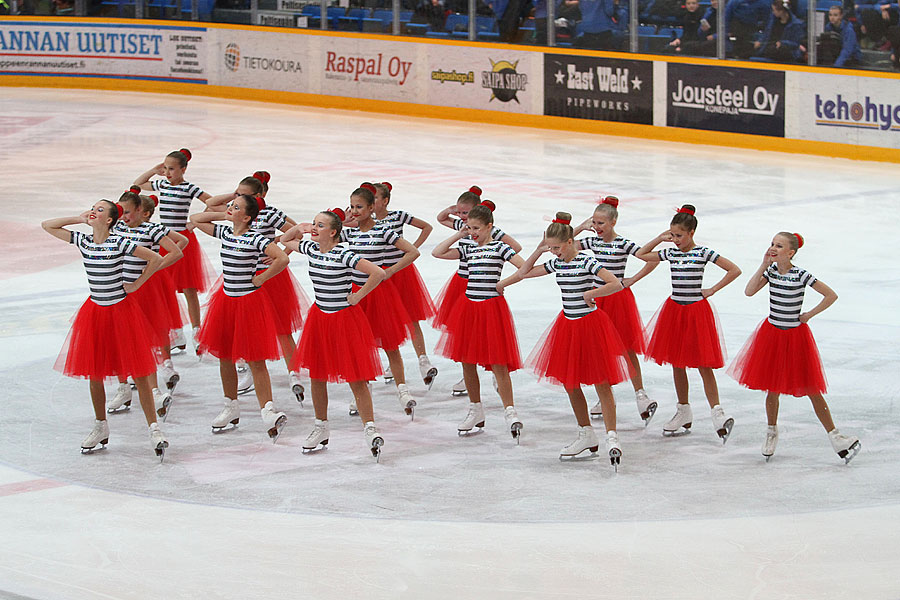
pixel 353 299
pixel 589 299
pixel 804 317
pixel 707 292
pixel 131 288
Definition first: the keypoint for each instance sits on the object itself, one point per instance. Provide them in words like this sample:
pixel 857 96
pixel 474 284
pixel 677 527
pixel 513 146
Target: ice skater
pixel 781 357
pixel 684 331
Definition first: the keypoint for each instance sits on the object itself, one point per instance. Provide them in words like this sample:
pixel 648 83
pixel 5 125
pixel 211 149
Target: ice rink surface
pixel 234 516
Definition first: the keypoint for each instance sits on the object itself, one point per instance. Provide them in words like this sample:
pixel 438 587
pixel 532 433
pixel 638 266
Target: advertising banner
pixel 99 50
pixel 262 60
pixel 363 68
pixel 844 109
pixel 725 99
pixel 584 87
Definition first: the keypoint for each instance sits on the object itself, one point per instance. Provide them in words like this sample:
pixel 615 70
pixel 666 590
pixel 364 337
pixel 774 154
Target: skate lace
pixel 316 432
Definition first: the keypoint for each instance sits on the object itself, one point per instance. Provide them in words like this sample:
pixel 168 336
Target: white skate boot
pixel 513 422
pixel 768 448
pixel 158 441
pixel 496 385
pixel 317 438
pixel 244 378
pixel 296 386
pixel 161 400
pixel 846 446
pixel 459 388
pixel 612 446
pixel 646 406
pixel 274 421
pixel 597 411
pixel 407 403
pixel 230 415
pixel 352 408
pixel 179 344
pixel 428 371
pixel 586 441
pixel 684 418
pixel 121 401
pixel 722 422
pixel 474 418
pixel 195 333
pixel 388 376
pixel 169 376
pixel 374 440
pixel 98 435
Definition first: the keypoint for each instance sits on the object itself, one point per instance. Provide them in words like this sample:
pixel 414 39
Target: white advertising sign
pixel 362 68
pixel 262 60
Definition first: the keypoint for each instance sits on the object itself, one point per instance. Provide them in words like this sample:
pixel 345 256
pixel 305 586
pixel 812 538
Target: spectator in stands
pixel 431 12
pixel 874 24
pixel 742 19
pixel 691 32
pixel 894 40
pixel 566 16
pixel 602 22
pixel 838 45
pixel 784 38
pixel 63 8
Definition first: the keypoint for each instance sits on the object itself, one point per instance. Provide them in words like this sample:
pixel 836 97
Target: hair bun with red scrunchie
pixel 685 209
pixel 339 212
pixel 155 199
pixel 491 206
pixel 611 200
pixel 120 210
pixel 368 186
pixel 475 190
pixel 263 176
pixel 389 187
pixel 186 152
pixel 799 240
pixel 135 189
pixel 260 202
pixel 562 221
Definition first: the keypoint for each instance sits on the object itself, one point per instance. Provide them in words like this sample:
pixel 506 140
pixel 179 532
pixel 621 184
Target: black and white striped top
pixel 103 264
pixel 395 220
pixel 463 269
pixel 330 273
pixel 147 235
pixel 786 295
pixel 267 224
pixel 687 271
pixel 175 202
pixel 485 266
pixel 239 257
pixel 370 245
pixel 574 279
pixel 612 255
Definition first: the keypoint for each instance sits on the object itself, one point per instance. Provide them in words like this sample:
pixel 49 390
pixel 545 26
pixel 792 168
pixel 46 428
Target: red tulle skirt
pixel 413 294
pixel 193 271
pixel 622 311
pixel 152 298
pixel 686 335
pixel 289 300
pixel 387 316
pixel 446 299
pixel 108 341
pixel 585 351
pixel 481 333
pixel 174 312
pixel 785 361
pixel 337 347
pixel 239 327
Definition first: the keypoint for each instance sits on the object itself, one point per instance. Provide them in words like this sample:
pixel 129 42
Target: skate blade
pixel 679 432
pixel 245 391
pixel 229 427
pixel 388 379
pixel 95 448
pixel 161 450
pixel 275 431
pixel 323 445
pixel 768 457
pixel 581 456
pixel 648 414
pixel 474 431
pixel 598 415
pixel 173 381
pixel 429 377
pixel 353 412
pixel 163 411
pixel 299 392
pixel 377 443
pixel 124 408
pixel 458 393
pixel 176 350
pixel 851 452
pixel 515 430
pixel 725 431
pixel 410 409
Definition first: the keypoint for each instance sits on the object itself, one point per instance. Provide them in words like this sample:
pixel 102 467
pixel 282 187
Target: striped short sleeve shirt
pixel 786 295
pixel 574 279
pixel 267 224
pixel 175 202
pixel 147 235
pixel 485 267
pixel 239 254
pixel 395 220
pixel 103 264
pixel 370 245
pixel 330 273
pixel 612 255
pixel 463 269
pixel 687 271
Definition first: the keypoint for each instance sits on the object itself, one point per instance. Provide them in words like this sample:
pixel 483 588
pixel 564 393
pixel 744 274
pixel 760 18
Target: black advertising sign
pixel 606 89
pixel 725 99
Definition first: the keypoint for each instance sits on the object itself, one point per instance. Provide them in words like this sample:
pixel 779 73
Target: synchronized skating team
pixel 369 295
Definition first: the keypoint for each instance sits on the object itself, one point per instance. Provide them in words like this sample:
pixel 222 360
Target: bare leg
pixel 396 362
pixel 193 303
pixel 710 386
pixel 154 383
pixel 146 397
pixel 98 399
pixel 772 408
pixel 418 339
pixel 319 391
pixel 229 379
pixel 504 384
pixel 166 352
pixel 261 381
pixel 287 349
pixel 682 389
pixel 579 406
pixel 363 400
pixel 608 403
pixel 637 379
pixel 473 385
pixel 821 408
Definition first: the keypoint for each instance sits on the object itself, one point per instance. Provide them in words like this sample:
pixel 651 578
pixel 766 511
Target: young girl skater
pixel 581 347
pixel 110 336
pixel 193 273
pixel 781 356
pixel 415 296
pixel 383 308
pixel 240 319
pixel 284 290
pixel 612 251
pixel 685 333
pixel 455 217
pixel 480 329
pixel 336 344
pixel 156 297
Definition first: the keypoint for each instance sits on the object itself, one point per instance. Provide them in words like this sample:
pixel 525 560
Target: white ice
pixel 232 516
